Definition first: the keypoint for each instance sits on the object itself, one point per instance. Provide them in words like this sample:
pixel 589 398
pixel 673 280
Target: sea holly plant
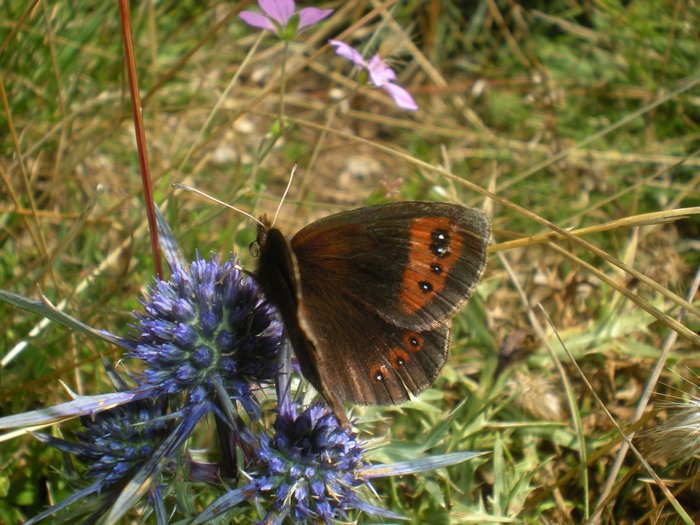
pixel 207 343
pixel 310 469
pixel 112 445
pixel 206 340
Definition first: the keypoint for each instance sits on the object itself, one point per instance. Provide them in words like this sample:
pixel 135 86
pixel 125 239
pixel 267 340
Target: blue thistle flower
pixel 113 445
pixel 310 465
pixel 206 333
pixel 309 470
pixel 207 326
pixel 117 442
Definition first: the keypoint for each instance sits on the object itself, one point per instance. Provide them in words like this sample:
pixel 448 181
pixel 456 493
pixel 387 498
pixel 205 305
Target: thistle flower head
pixel 113 445
pixel 310 465
pixel 117 442
pixel 207 326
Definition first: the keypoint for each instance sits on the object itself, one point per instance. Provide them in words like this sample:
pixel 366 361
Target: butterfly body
pixel 367 296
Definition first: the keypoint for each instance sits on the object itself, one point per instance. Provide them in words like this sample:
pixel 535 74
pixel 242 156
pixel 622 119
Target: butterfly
pixel 367 296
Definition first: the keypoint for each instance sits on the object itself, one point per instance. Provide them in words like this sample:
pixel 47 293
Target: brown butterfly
pixel 367 296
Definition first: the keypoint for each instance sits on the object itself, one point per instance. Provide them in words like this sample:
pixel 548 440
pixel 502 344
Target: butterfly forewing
pixel 413 264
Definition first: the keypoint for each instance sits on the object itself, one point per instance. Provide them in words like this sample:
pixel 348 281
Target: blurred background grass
pixel 582 112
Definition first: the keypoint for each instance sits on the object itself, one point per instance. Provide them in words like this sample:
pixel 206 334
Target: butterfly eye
pixel 254 248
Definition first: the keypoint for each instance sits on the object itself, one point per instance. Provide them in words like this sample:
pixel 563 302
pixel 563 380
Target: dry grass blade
pixel 644 399
pixel 671 498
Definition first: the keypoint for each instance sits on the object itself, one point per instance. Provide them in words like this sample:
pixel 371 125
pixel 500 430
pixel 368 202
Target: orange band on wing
pixel 435 248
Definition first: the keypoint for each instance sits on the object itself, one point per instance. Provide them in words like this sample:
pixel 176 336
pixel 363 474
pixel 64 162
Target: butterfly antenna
pixel 284 195
pixel 185 187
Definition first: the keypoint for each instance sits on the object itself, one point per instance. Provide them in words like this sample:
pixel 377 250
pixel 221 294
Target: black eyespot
pixel 425 286
pixel 378 373
pixel 440 235
pixel 440 247
pixel 398 358
pixel 436 268
pixel 439 250
pixel 412 342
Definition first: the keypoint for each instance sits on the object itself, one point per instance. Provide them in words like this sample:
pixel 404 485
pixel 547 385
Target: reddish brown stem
pixel 127 37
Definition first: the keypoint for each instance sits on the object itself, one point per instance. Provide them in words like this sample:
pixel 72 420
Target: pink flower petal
pixel 349 52
pixel 402 98
pixel 310 15
pixel 279 10
pixel 257 20
pixel 379 72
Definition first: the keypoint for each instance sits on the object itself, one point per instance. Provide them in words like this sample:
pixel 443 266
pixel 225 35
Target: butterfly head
pixel 264 226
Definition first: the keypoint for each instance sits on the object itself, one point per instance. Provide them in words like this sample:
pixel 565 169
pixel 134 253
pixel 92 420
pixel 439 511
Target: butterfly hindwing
pixel 372 362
